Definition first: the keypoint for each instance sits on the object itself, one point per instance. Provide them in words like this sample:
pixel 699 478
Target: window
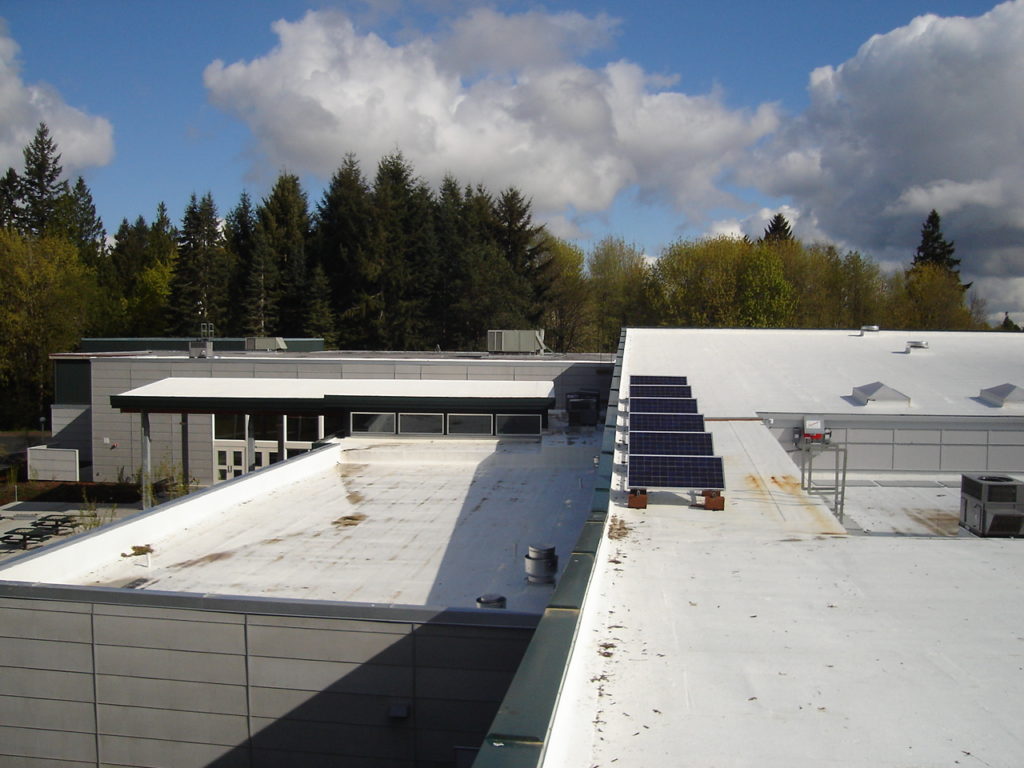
pixel 469 424
pixel 222 458
pixel 292 452
pixel 376 423
pixel 421 423
pixel 334 423
pixel 229 426
pixel 304 428
pixel 222 474
pixel 517 424
pixel 265 426
pixel 237 458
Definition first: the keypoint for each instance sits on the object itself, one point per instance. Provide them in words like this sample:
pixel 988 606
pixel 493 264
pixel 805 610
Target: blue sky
pixel 650 122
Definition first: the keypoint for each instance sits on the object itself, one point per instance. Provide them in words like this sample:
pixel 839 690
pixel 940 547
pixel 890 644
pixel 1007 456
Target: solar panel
pixel 676 380
pixel 666 422
pixel 676 472
pixel 670 443
pixel 658 390
pixel 662 405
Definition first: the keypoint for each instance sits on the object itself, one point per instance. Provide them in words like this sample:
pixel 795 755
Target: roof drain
pixel 490 600
pixel 541 563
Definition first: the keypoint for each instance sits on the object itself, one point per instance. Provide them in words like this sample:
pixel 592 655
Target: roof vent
pixel 868 329
pixel 199 349
pixel 541 563
pixel 879 393
pixel 264 344
pixel 490 600
pixel 916 345
pixel 1002 395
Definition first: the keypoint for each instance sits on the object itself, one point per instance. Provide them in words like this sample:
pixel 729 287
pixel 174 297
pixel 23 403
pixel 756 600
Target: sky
pixel 649 122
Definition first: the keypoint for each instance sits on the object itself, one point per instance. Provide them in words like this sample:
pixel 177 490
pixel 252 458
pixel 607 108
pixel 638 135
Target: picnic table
pixel 56 522
pixel 22 536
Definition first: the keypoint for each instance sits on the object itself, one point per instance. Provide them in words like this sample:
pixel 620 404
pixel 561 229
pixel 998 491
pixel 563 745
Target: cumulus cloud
pixel 496 98
pixel 925 116
pixel 83 140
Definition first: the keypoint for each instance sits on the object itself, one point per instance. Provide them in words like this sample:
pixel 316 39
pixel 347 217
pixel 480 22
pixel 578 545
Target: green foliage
pixel 283 227
pixel 620 289
pixel 568 313
pixel 46 299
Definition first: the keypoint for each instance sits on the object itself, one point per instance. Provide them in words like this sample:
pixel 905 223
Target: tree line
pixel 386 262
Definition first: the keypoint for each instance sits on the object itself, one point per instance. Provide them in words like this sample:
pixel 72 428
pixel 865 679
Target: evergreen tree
pixel 40 184
pixel 240 238
pixel 778 229
pixel 340 244
pixel 10 199
pixel 934 248
pixel 259 299
pixel 319 315
pixel 284 224
pixel 1008 324
pixel 522 243
pixel 201 273
pixel 75 218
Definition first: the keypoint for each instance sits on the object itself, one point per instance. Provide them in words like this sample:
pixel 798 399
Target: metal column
pixel 147 463
pixel 186 475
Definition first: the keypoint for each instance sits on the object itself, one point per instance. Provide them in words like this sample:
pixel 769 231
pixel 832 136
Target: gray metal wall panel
pixel 323 645
pixel 917 436
pixel 10 761
pixel 173 614
pixel 352 708
pixel 171 694
pixel 964 437
pixel 1006 458
pixel 46 684
pixel 389 743
pixel 464 684
pixel 336 625
pixel 25 712
pixel 44 625
pixel 854 435
pixel 47 745
pixel 157 753
pixel 305 675
pixel 173 635
pixel 170 665
pixel 46 654
pixel 1006 437
pixel 964 458
pixel 452 714
pixel 269 758
pixel 497 653
pixel 172 725
pixel 869 456
pixel 438 747
pixel 916 457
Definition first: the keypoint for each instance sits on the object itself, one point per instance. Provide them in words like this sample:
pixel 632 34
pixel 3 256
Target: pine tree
pixel 75 218
pixel 259 298
pixel 934 248
pixel 40 184
pixel 240 238
pixel 284 223
pixel 778 229
pixel 10 199
pixel 524 244
pixel 199 285
pixel 319 316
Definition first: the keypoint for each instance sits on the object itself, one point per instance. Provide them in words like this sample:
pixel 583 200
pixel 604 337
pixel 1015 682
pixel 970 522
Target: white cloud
pixel 926 116
pixel 486 106
pixel 83 140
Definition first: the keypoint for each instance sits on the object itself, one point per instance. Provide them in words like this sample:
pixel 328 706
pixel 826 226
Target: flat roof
pixel 766 634
pixel 282 394
pixel 399 521
pixel 739 372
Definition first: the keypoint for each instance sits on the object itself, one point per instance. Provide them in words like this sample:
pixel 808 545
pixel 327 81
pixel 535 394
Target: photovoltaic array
pixel 662 405
pixel 676 472
pixel 668 447
pixel 659 390
pixel 670 444
pixel 672 380
pixel 666 422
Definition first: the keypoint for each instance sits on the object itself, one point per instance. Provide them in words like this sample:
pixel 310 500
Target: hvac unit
pixel 992 505
pixel 264 344
pixel 529 342
pixel 200 349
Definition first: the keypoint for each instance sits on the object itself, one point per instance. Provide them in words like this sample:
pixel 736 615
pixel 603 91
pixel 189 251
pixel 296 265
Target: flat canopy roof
pixel 198 395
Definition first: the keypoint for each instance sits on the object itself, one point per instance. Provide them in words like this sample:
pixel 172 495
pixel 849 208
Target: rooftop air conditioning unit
pixel 992 505
pixel 522 342
pixel 264 344
pixel 203 348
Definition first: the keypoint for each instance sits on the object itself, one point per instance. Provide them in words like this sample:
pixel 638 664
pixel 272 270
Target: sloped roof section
pixel 877 392
pixel 1004 394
